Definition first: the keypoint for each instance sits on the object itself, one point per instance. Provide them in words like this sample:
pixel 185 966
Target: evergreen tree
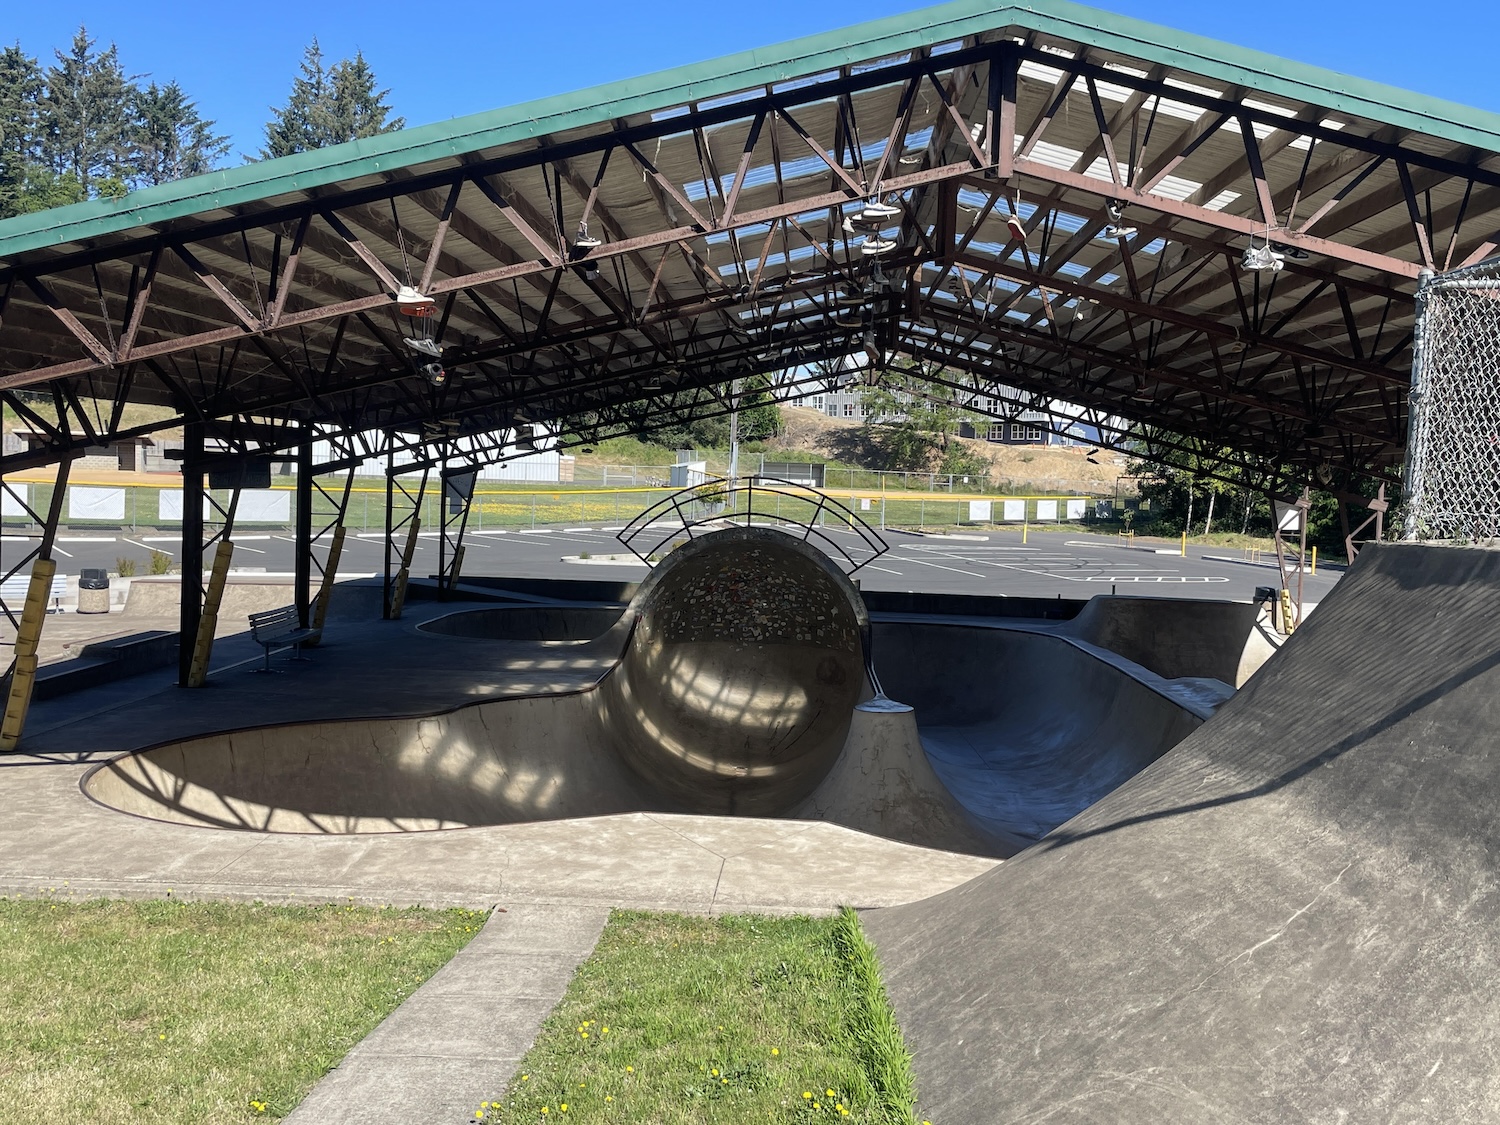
pixel 169 139
pixel 86 117
pixel 21 88
pixel 329 105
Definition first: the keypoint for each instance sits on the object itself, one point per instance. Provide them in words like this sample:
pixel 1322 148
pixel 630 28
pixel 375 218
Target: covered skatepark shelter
pixel 1194 245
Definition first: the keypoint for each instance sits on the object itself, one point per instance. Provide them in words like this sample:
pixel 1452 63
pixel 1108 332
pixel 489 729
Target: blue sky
pixel 461 57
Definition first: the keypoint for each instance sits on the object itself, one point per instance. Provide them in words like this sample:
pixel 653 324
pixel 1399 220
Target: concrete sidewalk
pixel 458 1039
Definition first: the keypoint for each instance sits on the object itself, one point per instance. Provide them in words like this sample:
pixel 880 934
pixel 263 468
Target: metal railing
pixel 755 501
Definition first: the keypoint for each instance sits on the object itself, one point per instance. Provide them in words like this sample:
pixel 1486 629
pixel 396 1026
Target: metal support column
pixel 1290 517
pixel 458 500
pixel 191 607
pixel 336 498
pixel 211 589
pixel 302 533
pixel 20 675
pixel 403 517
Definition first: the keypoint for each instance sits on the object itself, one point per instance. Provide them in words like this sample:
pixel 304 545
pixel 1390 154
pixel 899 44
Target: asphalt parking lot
pixel 1062 562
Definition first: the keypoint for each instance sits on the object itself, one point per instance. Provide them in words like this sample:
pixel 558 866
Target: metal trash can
pixel 93 590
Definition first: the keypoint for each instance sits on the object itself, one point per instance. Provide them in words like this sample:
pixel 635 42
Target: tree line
pixel 82 127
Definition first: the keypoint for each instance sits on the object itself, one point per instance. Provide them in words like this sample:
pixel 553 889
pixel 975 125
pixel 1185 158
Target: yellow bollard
pixel 1023 531
pixel 28 637
pixel 1315 561
pixel 1184 544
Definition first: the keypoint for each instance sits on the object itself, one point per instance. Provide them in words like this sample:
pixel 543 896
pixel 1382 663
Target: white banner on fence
pixel 264 505
pixel 1015 510
pixel 864 503
pixel 979 511
pixel 1075 509
pixel 12 505
pixel 1046 509
pixel 96 504
pixel 169 505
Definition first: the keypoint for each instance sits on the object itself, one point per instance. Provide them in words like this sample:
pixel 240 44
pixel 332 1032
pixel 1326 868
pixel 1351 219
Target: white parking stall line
pixel 161 539
pixel 1153 578
pixel 144 546
pixel 883 570
pixel 578 529
pixel 940 566
pixel 238 546
pixel 536 531
pixel 488 533
pixel 60 551
pixel 82 538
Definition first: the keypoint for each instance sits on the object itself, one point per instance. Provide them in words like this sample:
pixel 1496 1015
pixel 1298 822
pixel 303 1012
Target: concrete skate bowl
pixel 1026 730
pixel 738 692
pixel 545 624
pixel 734 694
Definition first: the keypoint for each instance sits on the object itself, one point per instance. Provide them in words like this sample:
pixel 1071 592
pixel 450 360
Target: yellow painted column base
pixel 28 638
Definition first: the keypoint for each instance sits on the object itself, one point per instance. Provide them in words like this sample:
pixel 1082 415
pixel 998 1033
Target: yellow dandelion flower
pixel 725 1081
pixel 608 1098
pixel 807 1094
pixel 563 1107
pixel 479 1113
pixel 585 1034
pixel 715 1072
pixel 604 1031
pixel 775 1050
pixel 630 1070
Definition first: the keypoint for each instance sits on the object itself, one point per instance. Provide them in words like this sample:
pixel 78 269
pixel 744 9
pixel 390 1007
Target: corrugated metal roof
pixel 446 141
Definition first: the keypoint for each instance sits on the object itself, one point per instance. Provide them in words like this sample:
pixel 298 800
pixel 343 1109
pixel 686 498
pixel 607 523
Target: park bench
pixel 279 628
pixel 13 590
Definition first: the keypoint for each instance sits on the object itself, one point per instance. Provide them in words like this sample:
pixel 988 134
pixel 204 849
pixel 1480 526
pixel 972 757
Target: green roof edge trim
pixel 798 58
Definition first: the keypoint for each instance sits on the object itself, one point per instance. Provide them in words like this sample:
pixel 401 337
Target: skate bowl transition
pixel 741 688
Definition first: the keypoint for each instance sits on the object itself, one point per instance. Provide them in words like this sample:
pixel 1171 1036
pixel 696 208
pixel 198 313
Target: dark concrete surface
pixel 1291 917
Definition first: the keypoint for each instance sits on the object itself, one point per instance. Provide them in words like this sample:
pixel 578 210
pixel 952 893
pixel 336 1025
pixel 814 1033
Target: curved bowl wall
pixel 570 624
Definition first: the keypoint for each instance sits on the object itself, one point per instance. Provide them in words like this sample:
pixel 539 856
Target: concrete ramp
pixel 1293 916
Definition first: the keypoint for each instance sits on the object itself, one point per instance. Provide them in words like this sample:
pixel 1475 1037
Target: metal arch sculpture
pixel 715 504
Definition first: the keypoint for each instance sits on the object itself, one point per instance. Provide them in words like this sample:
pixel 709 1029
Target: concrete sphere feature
pixel 737 687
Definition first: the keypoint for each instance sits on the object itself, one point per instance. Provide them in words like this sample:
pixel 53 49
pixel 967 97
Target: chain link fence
pixel 1453 449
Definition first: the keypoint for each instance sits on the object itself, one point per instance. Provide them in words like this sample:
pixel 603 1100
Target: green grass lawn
pixel 196 1012
pixel 726 1020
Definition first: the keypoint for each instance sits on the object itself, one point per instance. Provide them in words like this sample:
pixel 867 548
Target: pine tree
pixel 21 87
pixel 168 137
pixel 328 106
pixel 86 117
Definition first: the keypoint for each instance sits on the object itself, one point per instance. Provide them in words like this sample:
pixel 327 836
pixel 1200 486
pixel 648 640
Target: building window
pixel 1028 433
pixel 817 402
pixel 997 431
pixel 833 410
pixel 848 410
